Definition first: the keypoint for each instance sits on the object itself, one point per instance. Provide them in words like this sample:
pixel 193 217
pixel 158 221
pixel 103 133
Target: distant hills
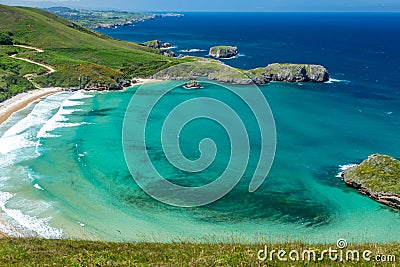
pixel 104 19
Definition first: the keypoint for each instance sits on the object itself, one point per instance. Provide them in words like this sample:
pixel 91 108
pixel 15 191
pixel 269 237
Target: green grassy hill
pixel 77 53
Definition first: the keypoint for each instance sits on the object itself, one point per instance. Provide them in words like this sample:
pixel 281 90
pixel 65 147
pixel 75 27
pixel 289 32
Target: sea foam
pixel 343 168
pixel 60 120
pixel 332 80
pixel 20 134
pixel 28 223
pixel 194 50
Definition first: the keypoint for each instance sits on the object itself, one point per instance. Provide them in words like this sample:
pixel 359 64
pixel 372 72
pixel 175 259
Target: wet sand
pixel 20 101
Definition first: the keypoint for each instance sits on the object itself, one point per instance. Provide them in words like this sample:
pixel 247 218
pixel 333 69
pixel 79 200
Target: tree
pixel 6 38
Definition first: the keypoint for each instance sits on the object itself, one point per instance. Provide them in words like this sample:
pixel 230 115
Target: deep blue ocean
pixel 63 172
pixel 359 47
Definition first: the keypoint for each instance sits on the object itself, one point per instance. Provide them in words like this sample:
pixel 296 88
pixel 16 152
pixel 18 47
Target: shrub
pixel 6 38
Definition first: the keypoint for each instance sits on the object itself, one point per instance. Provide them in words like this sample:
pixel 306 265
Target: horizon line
pixel 217 11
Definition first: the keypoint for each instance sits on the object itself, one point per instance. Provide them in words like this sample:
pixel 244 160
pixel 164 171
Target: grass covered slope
pixel 39 252
pixel 12 72
pixel 68 46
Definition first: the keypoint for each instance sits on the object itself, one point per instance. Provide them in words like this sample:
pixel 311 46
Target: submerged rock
pixel 223 51
pixel 377 177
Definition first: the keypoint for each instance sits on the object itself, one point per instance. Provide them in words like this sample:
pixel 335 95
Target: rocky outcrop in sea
pixel 168 53
pixel 377 177
pixel 157 44
pixel 217 71
pixel 223 51
pixel 290 73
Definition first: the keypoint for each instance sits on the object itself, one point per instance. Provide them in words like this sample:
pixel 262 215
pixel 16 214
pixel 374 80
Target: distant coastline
pixel 131 22
pixel 96 19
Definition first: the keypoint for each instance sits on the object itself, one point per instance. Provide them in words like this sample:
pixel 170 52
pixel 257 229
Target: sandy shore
pixel 18 102
pixel 145 81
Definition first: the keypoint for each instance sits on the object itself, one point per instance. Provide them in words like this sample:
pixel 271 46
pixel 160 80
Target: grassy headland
pixel 377 177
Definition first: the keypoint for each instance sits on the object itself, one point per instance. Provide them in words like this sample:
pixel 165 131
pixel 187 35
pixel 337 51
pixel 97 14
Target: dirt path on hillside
pixel 31 76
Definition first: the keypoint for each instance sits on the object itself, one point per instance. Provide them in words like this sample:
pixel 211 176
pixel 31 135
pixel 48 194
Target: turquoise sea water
pixel 63 172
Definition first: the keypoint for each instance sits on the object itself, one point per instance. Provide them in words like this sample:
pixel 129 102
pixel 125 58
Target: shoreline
pixel 140 81
pixel 20 101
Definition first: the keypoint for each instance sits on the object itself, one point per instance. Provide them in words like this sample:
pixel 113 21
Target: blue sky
pixel 220 5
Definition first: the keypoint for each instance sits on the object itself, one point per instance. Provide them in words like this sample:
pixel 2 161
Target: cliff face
pixel 290 73
pixel 377 177
pixel 153 44
pixel 223 51
pixel 216 71
pixel 157 44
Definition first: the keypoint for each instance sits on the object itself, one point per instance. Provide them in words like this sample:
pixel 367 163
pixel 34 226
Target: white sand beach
pixel 18 102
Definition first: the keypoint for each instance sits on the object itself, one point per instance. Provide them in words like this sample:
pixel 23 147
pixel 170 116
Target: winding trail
pixel 30 76
pixel 31 47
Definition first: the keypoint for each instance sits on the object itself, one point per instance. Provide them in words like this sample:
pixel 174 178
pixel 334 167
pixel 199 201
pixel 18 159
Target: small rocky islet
pixel 377 177
pixel 192 84
pixel 223 51
pixel 157 44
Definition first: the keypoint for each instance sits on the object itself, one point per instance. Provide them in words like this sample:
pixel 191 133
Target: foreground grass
pixel 40 252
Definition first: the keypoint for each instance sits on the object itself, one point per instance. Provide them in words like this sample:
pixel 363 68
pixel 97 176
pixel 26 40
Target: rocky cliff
pixel 157 44
pixel 217 71
pixel 223 51
pixel 290 73
pixel 278 72
pixel 377 177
